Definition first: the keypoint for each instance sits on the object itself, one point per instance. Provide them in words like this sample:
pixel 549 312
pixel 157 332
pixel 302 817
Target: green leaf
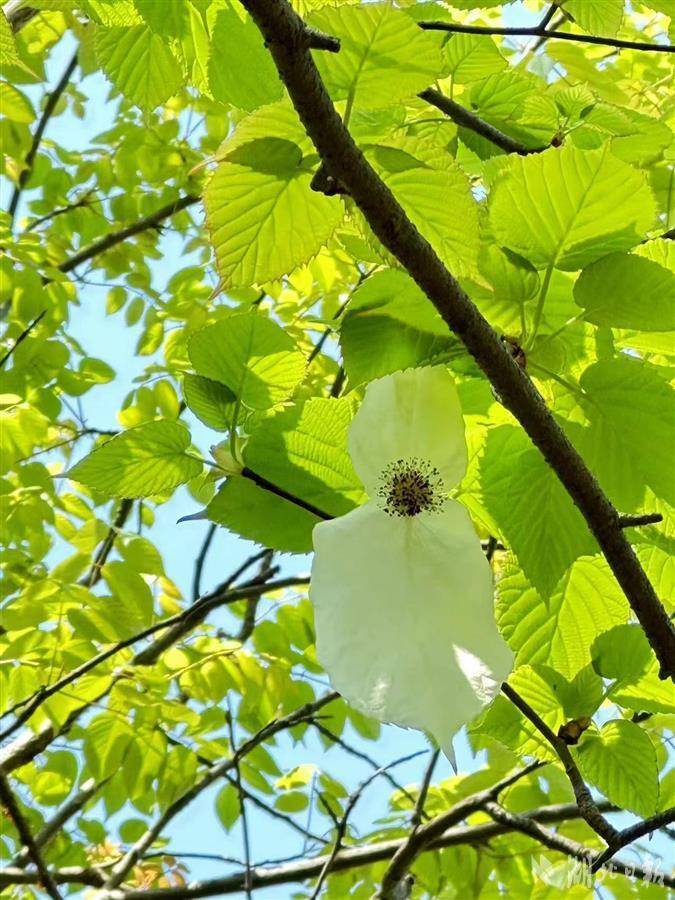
pixel 620 761
pixel 384 56
pixel 263 217
pixel 569 207
pixel 630 396
pixel 15 105
pixel 146 460
pixel 303 450
pixel 241 69
pixel 252 356
pixel 585 603
pixel 262 516
pixel 438 201
pixel 622 653
pixel 228 807
pixel 139 64
pixel 627 291
pixel 531 508
pixel 472 57
pixel 390 325
pixel 210 401
pixel 602 17
pixel 166 19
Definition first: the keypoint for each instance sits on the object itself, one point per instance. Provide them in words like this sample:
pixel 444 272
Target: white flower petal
pixel 415 413
pixel 404 617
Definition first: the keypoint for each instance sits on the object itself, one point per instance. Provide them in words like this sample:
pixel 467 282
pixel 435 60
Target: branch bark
pixel 283 31
pixel 539 32
pixel 47 113
pixel 353 858
pixel 464 117
pixel 10 804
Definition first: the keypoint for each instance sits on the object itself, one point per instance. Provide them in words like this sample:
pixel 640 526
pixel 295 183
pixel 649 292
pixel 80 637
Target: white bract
pixel 401 588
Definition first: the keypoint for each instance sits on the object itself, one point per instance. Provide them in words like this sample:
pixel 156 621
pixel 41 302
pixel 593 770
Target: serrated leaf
pixel 139 64
pixel 264 220
pixel 241 69
pixel 471 57
pixel 438 202
pixel 601 17
pixel 620 761
pixel 568 207
pixel 586 602
pixel 210 401
pixel 303 450
pixel 262 516
pixel 146 460
pixel 384 56
pixel 622 653
pixel 252 356
pixel 633 399
pixel 530 506
pixel 627 291
pixel 391 325
pixel 166 19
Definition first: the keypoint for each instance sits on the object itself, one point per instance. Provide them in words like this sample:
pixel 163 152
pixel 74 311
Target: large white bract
pixel 401 588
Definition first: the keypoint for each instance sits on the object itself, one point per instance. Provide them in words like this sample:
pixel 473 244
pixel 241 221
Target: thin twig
pixel 199 562
pixel 47 113
pixel 341 827
pixel 418 813
pixel 242 805
pixel 9 802
pixel 22 337
pixel 636 521
pixel 587 805
pixel 418 841
pixel 536 31
pixel 93 576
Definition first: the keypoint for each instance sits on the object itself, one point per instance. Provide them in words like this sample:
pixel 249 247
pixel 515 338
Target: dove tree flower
pixel 402 591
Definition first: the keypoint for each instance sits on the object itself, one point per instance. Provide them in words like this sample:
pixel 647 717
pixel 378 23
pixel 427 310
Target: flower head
pixel 401 589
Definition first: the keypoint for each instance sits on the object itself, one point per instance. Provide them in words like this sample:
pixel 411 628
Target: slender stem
pixel 541 299
pixel 47 113
pixel 22 337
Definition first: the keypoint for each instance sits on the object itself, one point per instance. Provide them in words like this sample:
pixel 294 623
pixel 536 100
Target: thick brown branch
pixel 10 804
pixel 282 29
pixel 47 113
pixel 538 32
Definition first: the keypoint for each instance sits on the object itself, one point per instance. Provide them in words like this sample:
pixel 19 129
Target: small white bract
pixel 401 588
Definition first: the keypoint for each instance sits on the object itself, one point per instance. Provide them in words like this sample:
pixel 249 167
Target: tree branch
pixel 587 805
pixel 179 624
pixel 282 30
pixel 464 117
pixel 22 337
pixel 9 803
pixel 423 837
pixel 47 113
pixel 54 825
pixel 354 857
pixel 129 860
pixel 93 576
pixel 539 32
pixel 116 237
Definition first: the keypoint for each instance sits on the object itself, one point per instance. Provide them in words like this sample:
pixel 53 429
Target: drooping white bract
pixel 402 591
